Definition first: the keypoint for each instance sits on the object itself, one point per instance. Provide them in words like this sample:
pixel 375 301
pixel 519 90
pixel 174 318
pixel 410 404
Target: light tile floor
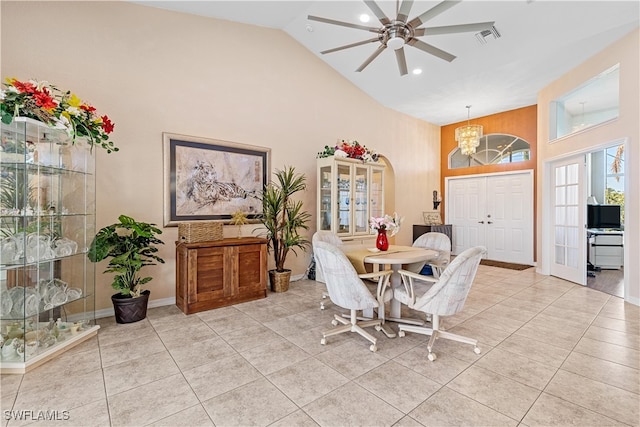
pixel 553 353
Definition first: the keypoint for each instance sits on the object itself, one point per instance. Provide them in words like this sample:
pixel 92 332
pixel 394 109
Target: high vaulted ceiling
pixel 539 41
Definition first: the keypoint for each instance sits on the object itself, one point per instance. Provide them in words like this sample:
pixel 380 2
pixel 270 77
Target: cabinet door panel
pixel 250 278
pixel 210 277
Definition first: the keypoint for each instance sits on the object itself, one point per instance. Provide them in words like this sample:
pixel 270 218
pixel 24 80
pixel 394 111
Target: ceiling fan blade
pixel 335 49
pixel 405 8
pixel 402 62
pixel 372 57
pixel 378 12
pixel 343 24
pixel 433 12
pixel 431 49
pixel 450 29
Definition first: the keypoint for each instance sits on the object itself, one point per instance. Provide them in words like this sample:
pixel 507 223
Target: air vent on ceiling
pixel 484 34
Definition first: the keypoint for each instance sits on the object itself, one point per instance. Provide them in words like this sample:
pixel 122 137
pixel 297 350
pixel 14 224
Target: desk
pixel 406 255
pixel 606 248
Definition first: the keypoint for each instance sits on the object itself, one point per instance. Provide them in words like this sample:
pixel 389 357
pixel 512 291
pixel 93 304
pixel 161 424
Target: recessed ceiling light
pixel 417 71
pixel 364 18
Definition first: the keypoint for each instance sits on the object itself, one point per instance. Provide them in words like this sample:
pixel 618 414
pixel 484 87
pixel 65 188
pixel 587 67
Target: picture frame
pixel 209 180
pixel 432 218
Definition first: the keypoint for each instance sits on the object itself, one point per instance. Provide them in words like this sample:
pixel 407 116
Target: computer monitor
pixel 603 216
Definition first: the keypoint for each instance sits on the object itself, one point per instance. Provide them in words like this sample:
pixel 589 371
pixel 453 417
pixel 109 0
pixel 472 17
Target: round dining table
pixel 395 257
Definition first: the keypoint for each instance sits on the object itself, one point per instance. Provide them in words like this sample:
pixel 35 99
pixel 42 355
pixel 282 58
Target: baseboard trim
pixel 108 312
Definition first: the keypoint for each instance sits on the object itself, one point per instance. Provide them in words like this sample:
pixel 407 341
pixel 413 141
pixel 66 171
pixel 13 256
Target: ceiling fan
pixel 397 33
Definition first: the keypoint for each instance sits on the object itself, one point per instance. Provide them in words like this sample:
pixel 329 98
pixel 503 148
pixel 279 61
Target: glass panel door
pixel 344 199
pixel 361 219
pixel 376 194
pixel 324 222
pixel 569 236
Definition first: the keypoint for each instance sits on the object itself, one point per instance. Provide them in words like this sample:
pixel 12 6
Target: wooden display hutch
pixel 220 273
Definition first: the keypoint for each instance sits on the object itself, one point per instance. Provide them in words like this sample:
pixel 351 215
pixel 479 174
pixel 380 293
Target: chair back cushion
pixel 324 236
pixel 448 295
pixel 345 288
pixel 438 242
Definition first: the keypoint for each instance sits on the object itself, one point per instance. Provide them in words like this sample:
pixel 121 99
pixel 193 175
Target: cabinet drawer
pixel 606 239
pixel 608 251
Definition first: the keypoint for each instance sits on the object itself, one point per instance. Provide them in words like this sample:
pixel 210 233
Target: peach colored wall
pixel 155 71
pixel 625 52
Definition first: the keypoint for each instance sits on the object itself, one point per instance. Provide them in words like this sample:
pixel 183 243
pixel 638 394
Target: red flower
pixel 44 100
pixel 27 87
pixel 107 125
pixel 88 108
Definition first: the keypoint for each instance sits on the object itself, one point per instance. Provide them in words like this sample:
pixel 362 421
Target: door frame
pixel 546 231
pixel 493 174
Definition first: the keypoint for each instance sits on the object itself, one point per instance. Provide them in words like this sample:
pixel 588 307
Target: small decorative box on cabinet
pixel 219 273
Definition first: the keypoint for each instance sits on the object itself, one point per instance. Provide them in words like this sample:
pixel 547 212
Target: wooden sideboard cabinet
pixel 219 273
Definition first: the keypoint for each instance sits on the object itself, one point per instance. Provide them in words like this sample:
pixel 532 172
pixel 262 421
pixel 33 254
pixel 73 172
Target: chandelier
pixel 468 136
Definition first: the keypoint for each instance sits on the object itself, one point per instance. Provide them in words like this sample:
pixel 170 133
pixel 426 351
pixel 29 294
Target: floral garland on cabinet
pixel 48 104
pixel 349 149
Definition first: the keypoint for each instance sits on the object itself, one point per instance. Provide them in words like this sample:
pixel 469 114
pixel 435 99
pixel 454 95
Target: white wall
pixel 625 52
pixel 155 71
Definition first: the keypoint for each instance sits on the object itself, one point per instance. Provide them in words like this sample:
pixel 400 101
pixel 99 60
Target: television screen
pixel 603 216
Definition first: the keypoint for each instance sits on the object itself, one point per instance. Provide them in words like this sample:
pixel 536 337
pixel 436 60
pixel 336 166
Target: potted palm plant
pixel 283 219
pixel 131 246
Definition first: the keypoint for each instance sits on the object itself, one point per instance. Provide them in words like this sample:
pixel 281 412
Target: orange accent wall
pixel 521 122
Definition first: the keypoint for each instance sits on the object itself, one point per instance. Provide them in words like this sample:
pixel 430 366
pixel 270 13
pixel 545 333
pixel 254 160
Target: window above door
pixel 494 149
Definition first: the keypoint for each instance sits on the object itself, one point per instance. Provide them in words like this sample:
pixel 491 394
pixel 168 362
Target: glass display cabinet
pixel 349 193
pixel 47 223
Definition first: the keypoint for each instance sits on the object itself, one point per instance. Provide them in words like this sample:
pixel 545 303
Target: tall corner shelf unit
pixel 47 223
pixel 350 192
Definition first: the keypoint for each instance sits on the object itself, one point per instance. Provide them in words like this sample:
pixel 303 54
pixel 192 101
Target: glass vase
pixel 382 243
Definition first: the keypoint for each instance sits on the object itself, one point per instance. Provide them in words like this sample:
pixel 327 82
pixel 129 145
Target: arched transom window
pixel 494 149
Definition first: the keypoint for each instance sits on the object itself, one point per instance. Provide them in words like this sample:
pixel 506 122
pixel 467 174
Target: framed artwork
pixel 208 179
pixel 432 218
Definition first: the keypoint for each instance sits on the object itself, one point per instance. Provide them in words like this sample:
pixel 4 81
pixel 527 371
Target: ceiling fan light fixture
pixel 395 43
pixel 468 136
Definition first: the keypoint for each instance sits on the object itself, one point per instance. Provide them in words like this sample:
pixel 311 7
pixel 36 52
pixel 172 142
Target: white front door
pixel 509 218
pixel 568 260
pixel 495 211
pixel 466 213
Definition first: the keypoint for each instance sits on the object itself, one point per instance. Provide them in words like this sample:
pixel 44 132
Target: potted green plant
pixel 283 219
pixel 131 246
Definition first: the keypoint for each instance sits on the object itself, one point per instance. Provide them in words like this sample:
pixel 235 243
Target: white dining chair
pixel 347 290
pixel 328 237
pixel 438 242
pixel 444 296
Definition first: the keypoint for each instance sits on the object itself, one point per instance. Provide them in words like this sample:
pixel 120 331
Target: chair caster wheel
pixel 321 306
pixel 334 322
pixel 431 357
pixel 401 334
pixel 378 328
pixel 323 341
pixel 476 350
pixel 373 348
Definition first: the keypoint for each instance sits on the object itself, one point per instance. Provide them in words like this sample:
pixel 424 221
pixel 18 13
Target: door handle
pixel 480 222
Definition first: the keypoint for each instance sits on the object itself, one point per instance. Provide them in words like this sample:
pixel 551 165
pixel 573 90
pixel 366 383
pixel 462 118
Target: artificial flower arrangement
pixel 386 222
pixel 351 150
pixel 48 104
